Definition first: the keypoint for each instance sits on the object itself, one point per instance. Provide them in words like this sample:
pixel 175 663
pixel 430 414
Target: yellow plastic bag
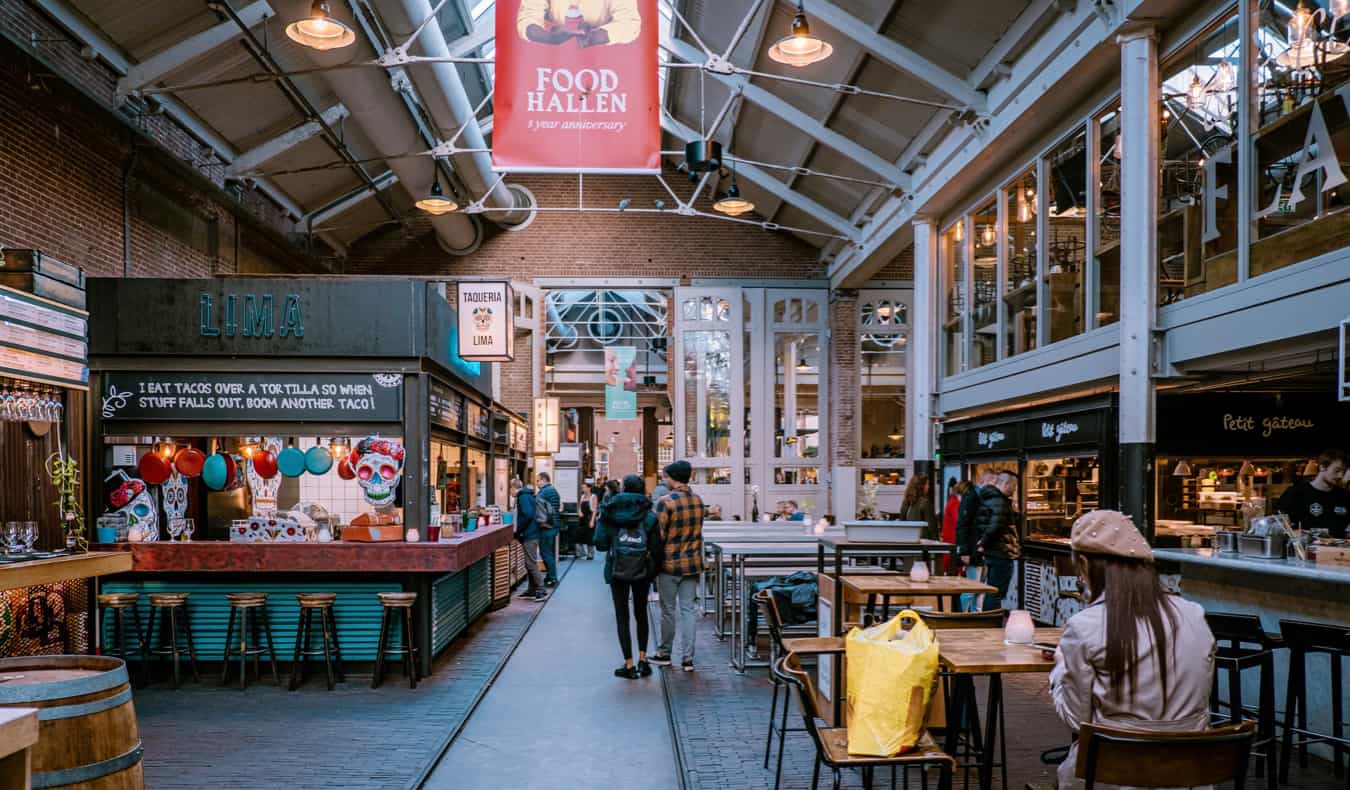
pixel 890 680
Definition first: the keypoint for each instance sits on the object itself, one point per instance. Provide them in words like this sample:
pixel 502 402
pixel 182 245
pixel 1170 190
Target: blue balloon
pixel 318 460
pixel 291 462
pixel 215 471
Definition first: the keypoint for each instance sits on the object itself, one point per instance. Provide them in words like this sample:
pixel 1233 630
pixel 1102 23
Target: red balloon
pixel 345 470
pixel 153 468
pixel 265 464
pixel 188 461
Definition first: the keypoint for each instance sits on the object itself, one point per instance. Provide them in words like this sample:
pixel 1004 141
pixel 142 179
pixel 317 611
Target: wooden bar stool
pixel 304 631
pixel 119 604
pixel 171 611
pixel 1305 639
pixel 251 610
pixel 1243 644
pixel 394 603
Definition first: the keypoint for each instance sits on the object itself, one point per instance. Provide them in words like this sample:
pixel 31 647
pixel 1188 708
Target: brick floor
pixel 720 720
pixel 353 737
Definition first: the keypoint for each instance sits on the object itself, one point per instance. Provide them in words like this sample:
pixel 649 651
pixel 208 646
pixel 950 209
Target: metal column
pixel 1138 270
pixel 921 361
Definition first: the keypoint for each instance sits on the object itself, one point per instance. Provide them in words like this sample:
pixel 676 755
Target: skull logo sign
pixel 378 464
pixel 482 318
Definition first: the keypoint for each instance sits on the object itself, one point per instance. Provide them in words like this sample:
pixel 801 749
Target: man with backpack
pixel 527 532
pixel 626 531
pixel 679 516
pixel 548 515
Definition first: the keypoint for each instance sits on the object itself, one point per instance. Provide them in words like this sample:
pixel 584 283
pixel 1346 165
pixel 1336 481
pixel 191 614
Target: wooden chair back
pixel 994 618
pixel 1164 759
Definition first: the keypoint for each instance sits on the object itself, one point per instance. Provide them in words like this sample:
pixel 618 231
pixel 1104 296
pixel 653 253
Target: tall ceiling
pixel 816 159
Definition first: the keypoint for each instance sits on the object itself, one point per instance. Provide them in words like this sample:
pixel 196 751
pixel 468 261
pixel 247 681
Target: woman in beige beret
pixel 1136 657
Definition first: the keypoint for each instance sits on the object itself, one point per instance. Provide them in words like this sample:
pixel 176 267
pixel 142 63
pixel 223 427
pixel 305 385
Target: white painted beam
pixel 994 62
pixel 253 158
pixel 896 54
pixel 769 183
pixel 483 32
pixel 164 62
pixel 349 201
pixel 792 116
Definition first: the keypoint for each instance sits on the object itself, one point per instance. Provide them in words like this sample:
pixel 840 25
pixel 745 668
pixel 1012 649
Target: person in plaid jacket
pixel 679 519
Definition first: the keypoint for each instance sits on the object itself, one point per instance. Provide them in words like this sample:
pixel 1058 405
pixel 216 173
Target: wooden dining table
pixel 895 585
pixel 965 653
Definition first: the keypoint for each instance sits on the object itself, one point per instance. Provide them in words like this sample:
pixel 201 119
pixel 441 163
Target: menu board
pixel 42 341
pixel 253 397
pixel 479 421
pixel 447 407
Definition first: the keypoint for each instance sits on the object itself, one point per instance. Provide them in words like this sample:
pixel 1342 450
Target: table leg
pixel 991 733
pixel 837 615
pixel 718 583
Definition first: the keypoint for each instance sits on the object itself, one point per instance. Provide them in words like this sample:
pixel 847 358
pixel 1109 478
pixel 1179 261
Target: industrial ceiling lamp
pixel 800 48
pixel 1183 469
pixel 320 30
pixel 1246 470
pixel 732 204
pixel 1195 93
pixel 1311 468
pixel 436 203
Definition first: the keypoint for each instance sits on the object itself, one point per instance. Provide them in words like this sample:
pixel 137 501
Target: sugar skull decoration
pixel 132 498
pixel 175 492
pixel 263 480
pixel 377 465
pixel 482 319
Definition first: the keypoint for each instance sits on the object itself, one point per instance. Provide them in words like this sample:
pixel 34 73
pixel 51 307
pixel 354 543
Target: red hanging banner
pixel 576 87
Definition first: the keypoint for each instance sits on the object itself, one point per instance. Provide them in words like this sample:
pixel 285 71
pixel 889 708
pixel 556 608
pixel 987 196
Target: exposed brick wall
pixel 902 268
pixel 516 377
pixel 844 377
pixel 594 245
pixel 64 150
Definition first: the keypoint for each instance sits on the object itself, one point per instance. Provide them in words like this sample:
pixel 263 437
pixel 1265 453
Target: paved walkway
pixel 557 717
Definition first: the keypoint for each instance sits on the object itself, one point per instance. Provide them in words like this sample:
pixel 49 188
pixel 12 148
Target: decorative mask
pixel 378 464
pixel 264 489
pixel 132 498
pixel 175 491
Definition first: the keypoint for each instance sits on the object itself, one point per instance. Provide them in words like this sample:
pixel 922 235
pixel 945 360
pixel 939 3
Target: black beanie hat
pixel 680 472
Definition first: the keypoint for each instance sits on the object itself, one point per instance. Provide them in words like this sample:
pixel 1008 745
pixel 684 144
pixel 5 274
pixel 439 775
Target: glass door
pixel 709 397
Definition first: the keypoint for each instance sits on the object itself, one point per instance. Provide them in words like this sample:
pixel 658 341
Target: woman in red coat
pixel 950 510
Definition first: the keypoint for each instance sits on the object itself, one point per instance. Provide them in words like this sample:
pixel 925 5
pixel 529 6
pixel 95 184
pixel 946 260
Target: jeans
pixel 1000 576
pixel 971 602
pixel 681 591
pixel 548 545
pixel 621 592
pixel 532 564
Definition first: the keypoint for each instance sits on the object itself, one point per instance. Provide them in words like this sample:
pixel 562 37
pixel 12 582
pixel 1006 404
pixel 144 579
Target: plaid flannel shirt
pixel 679 517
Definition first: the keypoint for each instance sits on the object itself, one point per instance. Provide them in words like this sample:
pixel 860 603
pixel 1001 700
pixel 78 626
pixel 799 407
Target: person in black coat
pixel 627 518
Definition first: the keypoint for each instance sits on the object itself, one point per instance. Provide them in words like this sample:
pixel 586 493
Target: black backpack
pixel 543 512
pixel 632 555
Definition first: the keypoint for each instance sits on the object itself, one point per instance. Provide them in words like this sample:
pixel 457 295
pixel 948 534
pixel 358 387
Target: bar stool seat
pixel 1306 639
pixel 1248 646
pixel 115 641
pixel 394 603
pixel 250 609
pixel 171 611
pixel 321 602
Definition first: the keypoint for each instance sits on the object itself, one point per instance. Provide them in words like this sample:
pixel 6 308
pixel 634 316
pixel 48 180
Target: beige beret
pixel 1109 532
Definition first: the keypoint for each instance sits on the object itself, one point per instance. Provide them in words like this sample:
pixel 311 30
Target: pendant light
pixel 320 30
pixel 800 47
pixel 1183 469
pixel 1225 78
pixel 436 203
pixel 988 235
pixel 1246 470
pixel 1311 468
pixel 732 204
pixel 801 364
pixel 1195 93
pixel 895 435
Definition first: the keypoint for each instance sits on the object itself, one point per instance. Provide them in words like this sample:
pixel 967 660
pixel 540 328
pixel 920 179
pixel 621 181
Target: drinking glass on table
pixel 30 535
pixel 12 537
pixel 176 527
pixel 188 526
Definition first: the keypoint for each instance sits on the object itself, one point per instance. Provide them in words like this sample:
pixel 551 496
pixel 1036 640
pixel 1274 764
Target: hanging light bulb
pixel 959 230
pixel 436 203
pixel 1300 23
pixel 800 47
pixel 1225 78
pixel 1195 93
pixel 988 235
pixel 320 30
pixel 732 204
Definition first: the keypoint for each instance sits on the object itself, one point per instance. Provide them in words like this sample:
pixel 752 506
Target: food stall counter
pixel 30 573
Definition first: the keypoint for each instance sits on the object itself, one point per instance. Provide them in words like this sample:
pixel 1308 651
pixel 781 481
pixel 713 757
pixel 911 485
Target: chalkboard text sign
pixel 253 397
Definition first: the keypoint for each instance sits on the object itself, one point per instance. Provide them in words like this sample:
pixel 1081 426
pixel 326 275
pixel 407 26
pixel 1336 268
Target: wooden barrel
pixel 87 724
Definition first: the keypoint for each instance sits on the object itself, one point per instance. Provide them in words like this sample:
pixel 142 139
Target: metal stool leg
pixel 378 676
pixel 327 651
pixel 126 654
pixel 271 650
pixel 773 715
pixel 243 649
pixel 141 645
pixel 192 649
pixel 229 631
pixel 1267 718
pixel 337 649
pixel 409 659
pixel 301 644
pixel 172 655
pixel 1337 712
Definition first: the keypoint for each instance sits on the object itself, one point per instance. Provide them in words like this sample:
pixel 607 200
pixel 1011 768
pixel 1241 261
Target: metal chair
pixel 1237 630
pixel 831 743
pixel 1164 759
pixel 970 730
pixel 994 618
pixel 781 646
pixel 1303 640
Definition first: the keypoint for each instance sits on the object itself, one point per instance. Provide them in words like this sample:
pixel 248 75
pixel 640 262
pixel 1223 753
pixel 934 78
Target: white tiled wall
pixel 343 498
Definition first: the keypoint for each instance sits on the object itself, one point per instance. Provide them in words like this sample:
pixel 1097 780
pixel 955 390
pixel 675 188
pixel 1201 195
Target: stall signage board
pixel 447 407
pixel 544 418
pixel 487 329
pixel 1063 430
pixel 42 341
pixel 1251 425
pixel 253 397
pixel 993 438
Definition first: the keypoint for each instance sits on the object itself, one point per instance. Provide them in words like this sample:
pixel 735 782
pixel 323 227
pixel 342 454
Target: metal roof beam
pixel 253 158
pixel 898 55
pixel 792 116
pixel 349 201
pixel 769 183
pixel 160 64
pixel 1027 24
pixel 483 31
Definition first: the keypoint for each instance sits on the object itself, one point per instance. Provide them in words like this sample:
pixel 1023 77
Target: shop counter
pixel 44 604
pixel 453 581
pixel 18 575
